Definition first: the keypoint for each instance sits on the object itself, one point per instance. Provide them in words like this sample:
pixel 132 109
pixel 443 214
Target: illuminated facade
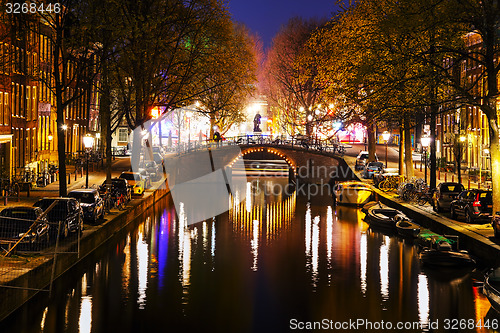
pixel 28 132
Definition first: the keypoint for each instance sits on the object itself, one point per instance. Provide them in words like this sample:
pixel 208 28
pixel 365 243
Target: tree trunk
pixel 410 172
pixel 61 133
pixel 372 148
pixel 495 162
pixel 105 115
pixel 432 171
pixel 401 155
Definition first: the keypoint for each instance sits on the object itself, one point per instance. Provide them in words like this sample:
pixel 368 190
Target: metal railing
pixel 327 146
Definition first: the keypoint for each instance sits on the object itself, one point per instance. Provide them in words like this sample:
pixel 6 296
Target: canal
pixel 275 262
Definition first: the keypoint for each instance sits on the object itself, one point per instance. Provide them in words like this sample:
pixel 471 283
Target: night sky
pixel 265 17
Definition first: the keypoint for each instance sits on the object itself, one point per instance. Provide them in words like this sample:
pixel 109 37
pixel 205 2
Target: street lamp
pixel 386 136
pixel 88 142
pixel 425 141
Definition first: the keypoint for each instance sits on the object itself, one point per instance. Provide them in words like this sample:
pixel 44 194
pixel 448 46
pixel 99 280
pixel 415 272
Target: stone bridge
pixel 306 165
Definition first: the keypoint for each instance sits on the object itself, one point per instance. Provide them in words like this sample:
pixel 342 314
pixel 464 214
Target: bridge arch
pixel 263 151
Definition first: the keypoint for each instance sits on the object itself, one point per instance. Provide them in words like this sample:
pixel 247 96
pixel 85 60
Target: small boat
pixel 491 288
pixel 406 228
pixel 429 239
pixel 380 216
pixel 352 193
pixel 442 254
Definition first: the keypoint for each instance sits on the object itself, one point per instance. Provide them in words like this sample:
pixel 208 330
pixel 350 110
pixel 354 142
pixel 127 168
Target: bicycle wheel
pixel 422 200
pixel 14 190
pixel 384 185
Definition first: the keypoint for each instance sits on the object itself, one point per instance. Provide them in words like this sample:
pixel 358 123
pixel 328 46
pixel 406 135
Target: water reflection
pixel 384 268
pixel 142 268
pixel 85 321
pixel 423 299
pixel 284 257
pixel 363 258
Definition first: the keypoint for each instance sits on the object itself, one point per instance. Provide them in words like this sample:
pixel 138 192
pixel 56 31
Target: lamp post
pixel 88 142
pixel 386 136
pixel 426 140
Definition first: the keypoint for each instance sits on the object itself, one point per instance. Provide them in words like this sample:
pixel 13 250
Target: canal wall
pixel 36 276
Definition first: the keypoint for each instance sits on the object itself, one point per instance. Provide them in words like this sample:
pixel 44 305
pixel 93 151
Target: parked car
pixel 361 160
pixel 371 168
pixel 473 205
pixel 495 222
pixel 119 186
pixel 19 221
pixel 91 202
pixel 378 177
pixel 134 180
pixel 154 169
pixel 67 211
pixel 444 194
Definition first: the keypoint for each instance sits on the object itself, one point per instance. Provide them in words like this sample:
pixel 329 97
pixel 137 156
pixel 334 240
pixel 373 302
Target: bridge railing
pixel 327 146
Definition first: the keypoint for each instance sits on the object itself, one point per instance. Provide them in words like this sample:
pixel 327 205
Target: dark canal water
pixel 274 263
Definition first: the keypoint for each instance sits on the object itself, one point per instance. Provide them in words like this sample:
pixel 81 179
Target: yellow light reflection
pixel 255 244
pixel 126 267
pixel 384 268
pixel 363 258
pixel 44 317
pixel 423 299
pixel 248 197
pixel 329 234
pixel 142 268
pixel 315 250
pixel 308 230
pixel 184 252
pixel 85 320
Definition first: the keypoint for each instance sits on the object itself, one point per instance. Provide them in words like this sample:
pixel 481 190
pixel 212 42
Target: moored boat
pixel 446 257
pixel 352 193
pixel 428 238
pixel 406 228
pixel 380 216
pixel 491 288
pixel 442 254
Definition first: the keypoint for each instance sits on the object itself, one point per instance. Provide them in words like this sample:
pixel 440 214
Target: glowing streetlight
pixel 88 142
pixel 386 136
pixel 425 141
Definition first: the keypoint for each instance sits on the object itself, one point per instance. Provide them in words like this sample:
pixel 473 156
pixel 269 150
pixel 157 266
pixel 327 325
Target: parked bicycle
pixel 9 188
pixel 391 183
pixel 43 179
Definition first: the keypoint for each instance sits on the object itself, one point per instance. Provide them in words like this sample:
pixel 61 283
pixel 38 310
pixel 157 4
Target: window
pixel 2 120
pixel 6 109
pixel 123 135
pixel 28 102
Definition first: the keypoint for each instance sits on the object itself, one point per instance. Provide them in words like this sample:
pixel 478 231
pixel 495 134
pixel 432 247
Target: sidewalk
pixel 419 169
pixel 478 237
pixel 96 177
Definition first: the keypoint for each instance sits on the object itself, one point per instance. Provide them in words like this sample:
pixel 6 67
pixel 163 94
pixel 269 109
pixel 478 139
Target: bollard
pixel 439 174
pixel 75 175
pixel 81 172
pixel 69 178
pixel 452 178
pixel 468 184
pixel 420 165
